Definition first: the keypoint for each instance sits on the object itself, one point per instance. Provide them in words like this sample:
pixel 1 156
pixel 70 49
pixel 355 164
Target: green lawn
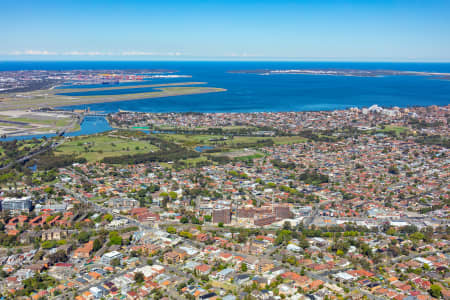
pixel 282 140
pixel 60 122
pixel 29 144
pixel 197 140
pixel 250 157
pixel 190 140
pixel 95 148
pixel 396 129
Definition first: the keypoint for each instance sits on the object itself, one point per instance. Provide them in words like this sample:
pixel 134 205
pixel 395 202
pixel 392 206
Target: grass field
pixel 95 148
pixel 224 285
pixel 396 129
pixel 51 98
pixel 190 140
pixel 249 157
pixel 22 148
pixel 51 122
pixel 32 122
pixel 29 144
pixel 122 87
pixel 211 140
pixel 283 140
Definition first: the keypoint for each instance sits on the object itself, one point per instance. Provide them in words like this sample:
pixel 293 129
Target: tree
pixel 184 220
pixel 393 170
pixel 108 217
pixel 97 245
pixel 49 190
pixel 115 262
pixel 115 238
pixel 139 277
pixel 207 218
pixel 220 224
pixel 58 256
pixel 186 234
pixel 195 220
pixel 390 231
pixel 303 242
pixel 171 230
pixel 435 290
pixel 283 236
pixel 37 282
pixel 83 237
pixel 417 236
pixel 142 193
pixel 244 267
pixel 48 244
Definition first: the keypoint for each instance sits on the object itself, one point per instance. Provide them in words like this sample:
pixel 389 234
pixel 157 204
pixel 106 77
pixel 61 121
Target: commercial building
pixel 283 212
pixel 221 216
pixel 266 220
pixel 17 204
pixel 107 258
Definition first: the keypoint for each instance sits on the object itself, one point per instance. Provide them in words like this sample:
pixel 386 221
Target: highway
pixel 47 145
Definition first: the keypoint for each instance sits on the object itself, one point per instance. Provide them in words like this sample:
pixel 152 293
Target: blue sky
pixel 358 30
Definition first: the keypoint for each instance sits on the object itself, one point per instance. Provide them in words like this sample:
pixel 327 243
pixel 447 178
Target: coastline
pixel 39 99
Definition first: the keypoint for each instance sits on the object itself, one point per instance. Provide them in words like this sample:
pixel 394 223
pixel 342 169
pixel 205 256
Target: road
pixel 72 294
pixel 409 257
pixel 47 145
pixel 171 291
pixel 102 209
pixel 269 253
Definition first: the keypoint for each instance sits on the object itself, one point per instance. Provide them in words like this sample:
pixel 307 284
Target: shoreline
pixel 58 101
pixel 115 126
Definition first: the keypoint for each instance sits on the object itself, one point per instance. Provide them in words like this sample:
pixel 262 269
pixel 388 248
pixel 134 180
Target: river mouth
pixel 203 148
pixel 90 125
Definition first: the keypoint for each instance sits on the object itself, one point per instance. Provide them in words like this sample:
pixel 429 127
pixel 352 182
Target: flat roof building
pixel 221 216
pixel 17 204
pixel 107 258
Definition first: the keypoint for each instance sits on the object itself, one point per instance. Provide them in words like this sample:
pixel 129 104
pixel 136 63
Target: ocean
pixel 257 93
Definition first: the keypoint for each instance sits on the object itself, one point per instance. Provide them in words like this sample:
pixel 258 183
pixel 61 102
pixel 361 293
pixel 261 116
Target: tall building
pixel 17 204
pixel 221 216
pixel 283 212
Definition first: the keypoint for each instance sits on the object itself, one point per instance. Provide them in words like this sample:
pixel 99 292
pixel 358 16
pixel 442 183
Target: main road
pixel 47 145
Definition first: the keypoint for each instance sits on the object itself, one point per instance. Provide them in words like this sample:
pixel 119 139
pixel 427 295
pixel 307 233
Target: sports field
pixel 95 148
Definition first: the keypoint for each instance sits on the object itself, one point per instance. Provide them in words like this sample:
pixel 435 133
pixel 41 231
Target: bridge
pixel 95 114
pixel 47 145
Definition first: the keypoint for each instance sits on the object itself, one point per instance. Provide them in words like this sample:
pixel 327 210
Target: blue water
pixel 111 92
pixel 251 92
pixel 203 148
pixel 123 84
pixel 90 125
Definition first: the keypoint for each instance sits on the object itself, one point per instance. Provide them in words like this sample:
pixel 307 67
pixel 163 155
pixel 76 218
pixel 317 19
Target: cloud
pixel 144 53
pixel 32 52
pixel 245 54
pixel 137 53
pixel 89 53
pixel 93 53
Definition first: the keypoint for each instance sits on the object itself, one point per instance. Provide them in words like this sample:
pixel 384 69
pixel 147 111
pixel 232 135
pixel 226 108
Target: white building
pixel 107 258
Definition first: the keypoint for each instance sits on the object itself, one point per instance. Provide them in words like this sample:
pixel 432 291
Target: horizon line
pixel 227 60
